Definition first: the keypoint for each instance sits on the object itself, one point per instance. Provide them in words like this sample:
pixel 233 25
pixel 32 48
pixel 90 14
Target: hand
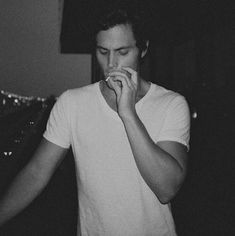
pixel 124 81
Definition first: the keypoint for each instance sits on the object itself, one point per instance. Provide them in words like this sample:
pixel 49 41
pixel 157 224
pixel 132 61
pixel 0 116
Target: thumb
pixel 118 90
pixel 116 85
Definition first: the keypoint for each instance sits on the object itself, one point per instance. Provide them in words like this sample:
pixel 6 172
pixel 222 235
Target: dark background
pixel 191 52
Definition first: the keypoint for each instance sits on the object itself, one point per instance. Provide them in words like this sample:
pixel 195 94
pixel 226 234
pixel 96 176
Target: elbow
pixel 166 195
pixel 165 198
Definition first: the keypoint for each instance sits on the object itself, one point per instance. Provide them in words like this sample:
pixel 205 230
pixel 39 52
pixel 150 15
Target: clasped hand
pixel 124 81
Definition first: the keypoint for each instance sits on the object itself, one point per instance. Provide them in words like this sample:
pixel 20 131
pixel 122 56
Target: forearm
pixel 159 169
pixel 24 188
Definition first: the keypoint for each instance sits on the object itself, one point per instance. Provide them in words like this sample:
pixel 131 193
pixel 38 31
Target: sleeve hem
pixel 178 140
pixel 58 143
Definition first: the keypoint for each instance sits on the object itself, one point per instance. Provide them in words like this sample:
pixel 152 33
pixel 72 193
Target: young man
pixel 129 138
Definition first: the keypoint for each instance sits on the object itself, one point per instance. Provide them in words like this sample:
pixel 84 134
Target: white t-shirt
pixel 114 199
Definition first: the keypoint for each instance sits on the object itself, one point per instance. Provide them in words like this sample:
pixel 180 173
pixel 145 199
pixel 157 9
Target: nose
pixel 112 61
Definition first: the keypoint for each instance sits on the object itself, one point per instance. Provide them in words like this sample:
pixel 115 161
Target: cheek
pixel 101 62
pixel 129 62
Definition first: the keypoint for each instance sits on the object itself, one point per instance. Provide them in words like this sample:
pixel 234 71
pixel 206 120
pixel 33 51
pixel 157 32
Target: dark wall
pixel 202 69
pixel 30 59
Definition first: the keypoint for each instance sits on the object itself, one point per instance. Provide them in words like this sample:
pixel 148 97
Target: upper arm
pixel 58 125
pixel 175 133
pixel 177 150
pixel 56 138
pixel 47 157
pixel 176 126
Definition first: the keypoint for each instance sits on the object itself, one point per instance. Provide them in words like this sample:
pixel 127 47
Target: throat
pixel 109 95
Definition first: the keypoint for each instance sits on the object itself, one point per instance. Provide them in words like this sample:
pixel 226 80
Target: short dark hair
pixel 120 13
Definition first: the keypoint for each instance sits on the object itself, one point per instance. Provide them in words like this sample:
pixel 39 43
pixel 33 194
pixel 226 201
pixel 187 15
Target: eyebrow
pixel 117 49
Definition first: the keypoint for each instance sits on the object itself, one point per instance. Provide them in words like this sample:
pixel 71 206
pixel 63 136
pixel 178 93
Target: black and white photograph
pixel 117 118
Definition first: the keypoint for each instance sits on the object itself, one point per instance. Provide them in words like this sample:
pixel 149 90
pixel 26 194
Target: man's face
pixel 116 48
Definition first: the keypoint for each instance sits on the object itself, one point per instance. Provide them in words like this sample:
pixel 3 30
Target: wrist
pixel 128 116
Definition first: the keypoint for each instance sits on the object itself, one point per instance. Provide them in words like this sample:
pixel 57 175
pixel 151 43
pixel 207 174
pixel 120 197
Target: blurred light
pixel 194 115
pixel 17 141
pixel 16 101
pixel 7 153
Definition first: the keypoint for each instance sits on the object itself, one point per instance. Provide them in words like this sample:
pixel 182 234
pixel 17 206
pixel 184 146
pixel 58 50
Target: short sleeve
pixel 57 129
pixel 176 125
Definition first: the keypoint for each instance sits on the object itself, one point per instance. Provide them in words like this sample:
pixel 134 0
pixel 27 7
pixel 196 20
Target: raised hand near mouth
pixel 124 81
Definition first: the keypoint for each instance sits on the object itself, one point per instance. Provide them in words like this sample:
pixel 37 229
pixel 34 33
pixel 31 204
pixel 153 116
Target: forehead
pixel 116 37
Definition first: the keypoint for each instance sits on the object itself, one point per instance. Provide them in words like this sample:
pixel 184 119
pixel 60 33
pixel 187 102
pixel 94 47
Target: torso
pixel 113 197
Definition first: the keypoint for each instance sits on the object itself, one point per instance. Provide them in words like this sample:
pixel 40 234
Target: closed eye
pixel 123 52
pixel 103 52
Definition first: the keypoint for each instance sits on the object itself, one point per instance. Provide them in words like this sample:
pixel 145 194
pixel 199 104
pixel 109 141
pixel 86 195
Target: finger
pixel 134 74
pixel 126 84
pixel 130 81
pixel 121 76
pixel 128 69
pixel 116 86
pixel 123 72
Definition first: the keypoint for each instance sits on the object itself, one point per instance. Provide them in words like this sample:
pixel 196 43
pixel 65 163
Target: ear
pixel 143 53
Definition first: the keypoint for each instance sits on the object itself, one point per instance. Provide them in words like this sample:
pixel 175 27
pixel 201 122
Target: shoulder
pixel 78 94
pixel 165 97
pixel 87 90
